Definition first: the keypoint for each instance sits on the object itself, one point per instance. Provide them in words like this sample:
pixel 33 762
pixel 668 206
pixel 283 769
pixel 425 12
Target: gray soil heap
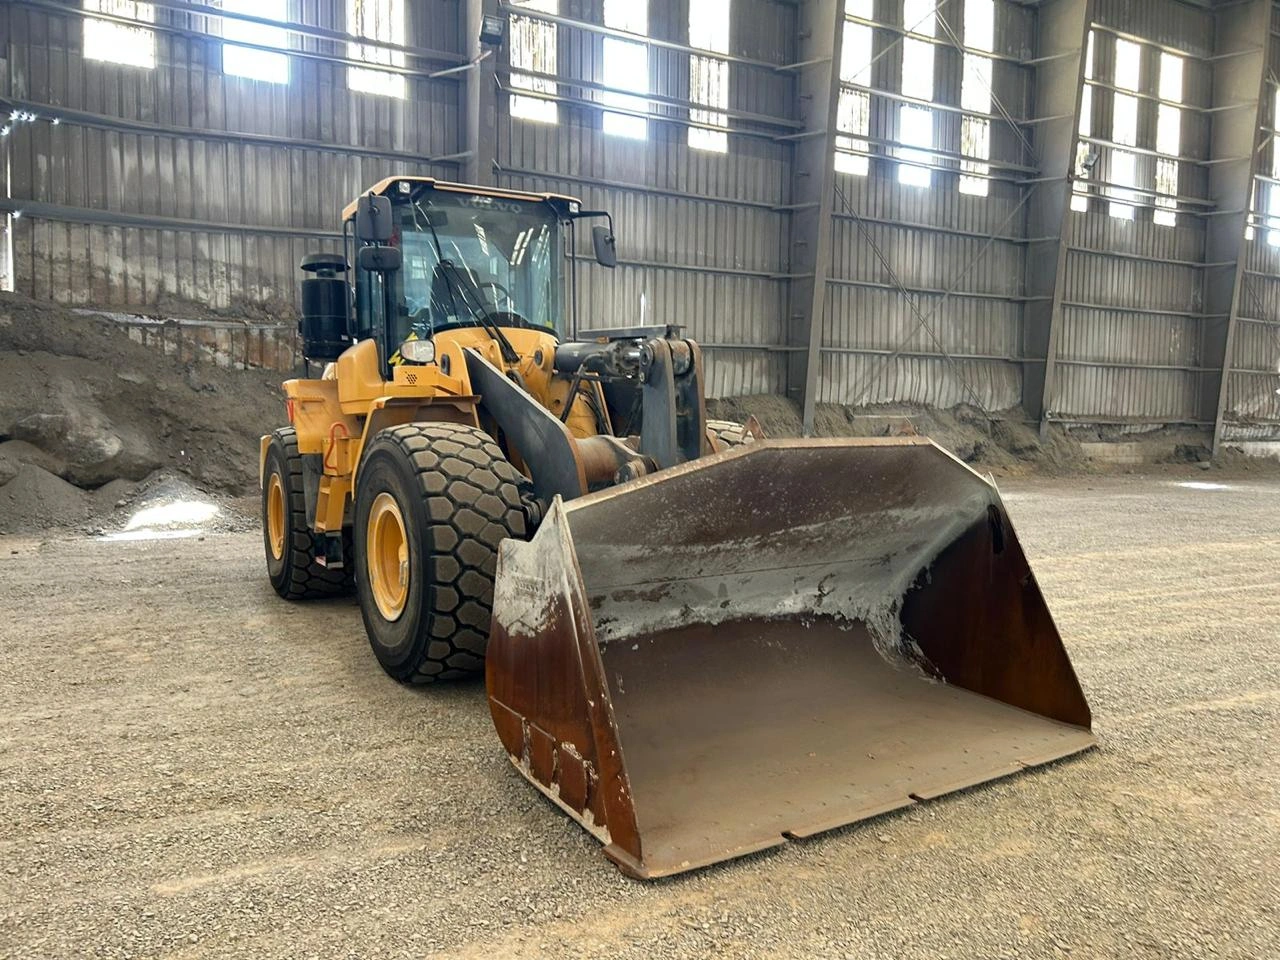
pixel 86 414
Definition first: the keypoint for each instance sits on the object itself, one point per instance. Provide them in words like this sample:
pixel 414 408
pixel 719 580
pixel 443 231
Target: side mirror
pixel 606 246
pixel 373 219
pixel 380 259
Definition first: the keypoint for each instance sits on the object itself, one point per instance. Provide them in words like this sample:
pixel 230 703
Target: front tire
pixel 433 501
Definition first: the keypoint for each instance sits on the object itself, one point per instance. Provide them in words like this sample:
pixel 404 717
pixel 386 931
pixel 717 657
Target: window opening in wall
pixel 709 76
pixel 7 268
pixel 1168 140
pixel 245 61
pixel 1273 188
pixel 1085 155
pixel 116 42
pixel 915 123
pixel 975 95
pixel 1269 194
pixel 1273 214
pixel 626 67
pixel 1124 129
pixel 1253 207
pixel 853 112
pixel 533 48
pixel 6 254
pixel 378 20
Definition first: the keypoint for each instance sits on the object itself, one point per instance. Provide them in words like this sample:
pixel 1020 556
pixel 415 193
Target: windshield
pixel 501 258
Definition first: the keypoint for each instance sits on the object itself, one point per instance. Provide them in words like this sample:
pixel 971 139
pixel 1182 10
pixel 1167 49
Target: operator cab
pixel 430 256
pixel 463 253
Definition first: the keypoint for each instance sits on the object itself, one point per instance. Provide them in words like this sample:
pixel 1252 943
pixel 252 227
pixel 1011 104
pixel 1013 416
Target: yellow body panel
pixel 263 443
pixel 359 380
pixel 337 415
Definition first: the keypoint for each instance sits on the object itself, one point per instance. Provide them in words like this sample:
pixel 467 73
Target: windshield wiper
pixel 471 300
pixel 450 272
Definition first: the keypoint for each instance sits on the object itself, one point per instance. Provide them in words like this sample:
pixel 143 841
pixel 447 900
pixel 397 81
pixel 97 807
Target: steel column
pixel 821 37
pixel 480 106
pixel 1062 36
pixel 1235 141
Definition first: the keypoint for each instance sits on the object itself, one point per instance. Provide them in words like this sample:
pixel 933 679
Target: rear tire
pixel 433 501
pixel 725 435
pixel 286 537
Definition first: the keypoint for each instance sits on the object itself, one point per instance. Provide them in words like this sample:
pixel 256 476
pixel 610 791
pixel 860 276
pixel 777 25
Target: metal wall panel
pixel 1104 394
pixel 1182 26
pixel 1253 384
pixel 1133 289
pixel 700 239
pixel 1118 337
pixel 207 213
pixel 218 204
pixel 864 379
pixel 881 344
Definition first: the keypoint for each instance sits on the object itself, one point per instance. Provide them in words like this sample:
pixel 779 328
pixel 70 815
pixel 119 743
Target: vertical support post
pixel 1242 35
pixel 7 268
pixel 480 98
pixel 821 26
pixel 8 280
pixel 1062 38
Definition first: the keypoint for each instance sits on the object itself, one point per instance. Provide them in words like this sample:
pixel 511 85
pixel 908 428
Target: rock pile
pixel 86 413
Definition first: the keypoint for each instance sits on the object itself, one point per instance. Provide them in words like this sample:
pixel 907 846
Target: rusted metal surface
pixel 771 642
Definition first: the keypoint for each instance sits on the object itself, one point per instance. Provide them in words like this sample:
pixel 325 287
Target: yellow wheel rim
pixel 275 516
pixel 387 548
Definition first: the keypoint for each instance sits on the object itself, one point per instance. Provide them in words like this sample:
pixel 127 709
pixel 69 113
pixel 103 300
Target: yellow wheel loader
pixel 697 642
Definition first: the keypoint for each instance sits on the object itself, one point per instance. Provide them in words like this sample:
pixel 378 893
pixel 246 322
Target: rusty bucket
pixel 771 642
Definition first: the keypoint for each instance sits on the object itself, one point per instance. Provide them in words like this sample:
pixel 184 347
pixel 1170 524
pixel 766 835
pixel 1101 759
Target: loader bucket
pixel 771 642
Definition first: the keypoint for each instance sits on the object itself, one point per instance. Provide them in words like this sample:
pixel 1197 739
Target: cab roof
pixel 384 188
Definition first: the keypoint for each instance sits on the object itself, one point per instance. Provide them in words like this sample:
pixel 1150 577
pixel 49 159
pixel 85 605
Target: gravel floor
pixel 190 767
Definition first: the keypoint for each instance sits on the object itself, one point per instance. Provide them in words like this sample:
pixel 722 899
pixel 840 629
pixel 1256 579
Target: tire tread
pixel 472 494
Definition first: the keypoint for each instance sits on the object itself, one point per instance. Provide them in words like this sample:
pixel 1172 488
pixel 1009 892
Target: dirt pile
pixel 85 413
pixel 1002 442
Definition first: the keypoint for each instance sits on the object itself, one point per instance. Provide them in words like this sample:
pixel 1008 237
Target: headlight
pixel 418 351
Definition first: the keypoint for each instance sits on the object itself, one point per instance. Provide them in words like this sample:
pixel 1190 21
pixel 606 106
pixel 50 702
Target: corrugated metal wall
pixel 181 182
pixel 701 240
pixel 217 184
pixel 879 345
pixel 1130 343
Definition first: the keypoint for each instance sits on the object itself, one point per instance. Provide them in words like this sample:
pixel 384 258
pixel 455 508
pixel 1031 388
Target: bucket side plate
pixel 772 642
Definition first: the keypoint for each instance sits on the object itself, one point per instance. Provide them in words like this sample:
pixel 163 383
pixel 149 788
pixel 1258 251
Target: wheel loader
pixel 698 642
